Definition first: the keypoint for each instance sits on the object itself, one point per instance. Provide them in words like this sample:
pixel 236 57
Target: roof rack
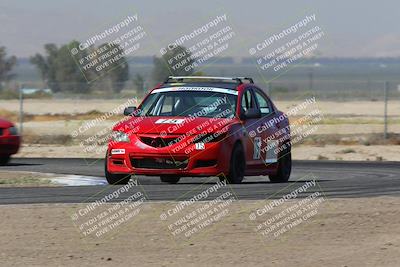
pixel 181 78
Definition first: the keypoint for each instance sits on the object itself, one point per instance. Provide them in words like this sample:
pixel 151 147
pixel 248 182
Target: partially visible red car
pixel 9 141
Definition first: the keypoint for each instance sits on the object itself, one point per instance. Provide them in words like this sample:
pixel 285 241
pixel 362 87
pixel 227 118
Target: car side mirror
pixel 251 113
pixel 129 111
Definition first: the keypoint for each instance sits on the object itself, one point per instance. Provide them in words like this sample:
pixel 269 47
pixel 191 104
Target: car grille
pixel 205 163
pixel 158 141
pixel 159 163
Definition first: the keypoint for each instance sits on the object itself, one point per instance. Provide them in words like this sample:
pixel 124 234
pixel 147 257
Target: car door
pixel 267 127
pixel 252 140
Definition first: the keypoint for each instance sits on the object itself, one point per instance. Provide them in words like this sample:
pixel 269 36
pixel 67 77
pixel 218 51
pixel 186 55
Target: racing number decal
pixel 271 156
pixel 257 148
pixel 170 121
pixel 200 146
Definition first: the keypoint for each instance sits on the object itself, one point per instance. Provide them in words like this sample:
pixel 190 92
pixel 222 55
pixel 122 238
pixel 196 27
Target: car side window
pixel 263 104
pixel 247 101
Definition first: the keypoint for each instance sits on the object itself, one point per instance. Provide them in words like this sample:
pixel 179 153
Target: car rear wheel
pixel 4 160
pixel 237 166
pixel 116 179
pixel 170 179
pixel 284 168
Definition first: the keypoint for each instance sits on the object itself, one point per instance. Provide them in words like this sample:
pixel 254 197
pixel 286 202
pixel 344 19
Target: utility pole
pixel 310 79
pixel 385 96
pixel 21 109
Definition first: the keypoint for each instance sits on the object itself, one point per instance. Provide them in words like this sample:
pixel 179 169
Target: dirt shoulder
pixel 344 232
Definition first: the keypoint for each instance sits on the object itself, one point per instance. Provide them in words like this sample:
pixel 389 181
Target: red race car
pixel 201 126
pixel 9 141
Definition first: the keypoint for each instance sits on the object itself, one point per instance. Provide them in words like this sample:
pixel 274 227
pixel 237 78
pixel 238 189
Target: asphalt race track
pixel 334 179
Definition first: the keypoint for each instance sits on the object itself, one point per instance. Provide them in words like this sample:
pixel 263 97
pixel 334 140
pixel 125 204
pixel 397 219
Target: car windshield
pixel 190 104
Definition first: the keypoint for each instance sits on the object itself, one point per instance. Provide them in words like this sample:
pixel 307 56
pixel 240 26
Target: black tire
pixel 170 179
pixel 284 168
pixel 116 179
pixel 4 160
pixel 237 165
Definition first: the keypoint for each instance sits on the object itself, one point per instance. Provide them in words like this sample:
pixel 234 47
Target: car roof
pixel 206 81
pixel 225 85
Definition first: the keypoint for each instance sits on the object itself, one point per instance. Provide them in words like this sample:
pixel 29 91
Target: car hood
pixel 172 125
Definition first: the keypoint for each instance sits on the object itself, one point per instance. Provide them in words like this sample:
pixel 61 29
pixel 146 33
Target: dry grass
pixel 90 115
pixel 13 179
pixel 9 115
pixel 351 139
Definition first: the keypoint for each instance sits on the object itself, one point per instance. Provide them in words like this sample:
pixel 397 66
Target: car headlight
pixel 13 130
pixel 120 137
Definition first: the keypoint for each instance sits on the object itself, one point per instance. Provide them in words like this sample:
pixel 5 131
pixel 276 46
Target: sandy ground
pixel 300 152
pixel 344 232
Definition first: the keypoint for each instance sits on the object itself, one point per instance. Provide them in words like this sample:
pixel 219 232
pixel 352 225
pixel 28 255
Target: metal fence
pixel 278 89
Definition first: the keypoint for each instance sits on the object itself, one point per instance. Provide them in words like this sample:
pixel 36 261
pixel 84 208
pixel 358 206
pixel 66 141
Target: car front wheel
pixel 284 168
pixel 237 166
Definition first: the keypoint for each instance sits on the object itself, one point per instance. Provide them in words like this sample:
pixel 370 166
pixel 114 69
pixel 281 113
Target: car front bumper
pixel 213 160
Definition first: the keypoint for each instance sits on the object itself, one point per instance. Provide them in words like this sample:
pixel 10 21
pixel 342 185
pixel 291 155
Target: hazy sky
pixel 352 28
